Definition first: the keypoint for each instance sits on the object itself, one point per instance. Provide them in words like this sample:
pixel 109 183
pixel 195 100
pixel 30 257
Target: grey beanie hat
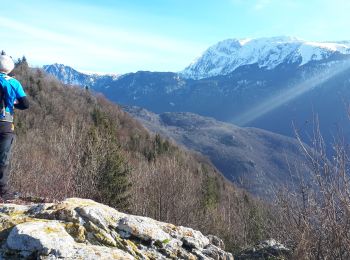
pixel 6 64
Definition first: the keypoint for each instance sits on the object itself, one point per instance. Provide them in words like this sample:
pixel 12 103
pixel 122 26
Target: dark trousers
pixel 6 141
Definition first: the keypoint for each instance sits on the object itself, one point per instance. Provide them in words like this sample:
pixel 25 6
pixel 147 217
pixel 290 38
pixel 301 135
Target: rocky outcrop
pixel 268 249
pixel 84 229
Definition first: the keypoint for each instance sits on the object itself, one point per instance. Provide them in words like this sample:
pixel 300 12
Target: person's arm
pixel 22 103
pixel 22 100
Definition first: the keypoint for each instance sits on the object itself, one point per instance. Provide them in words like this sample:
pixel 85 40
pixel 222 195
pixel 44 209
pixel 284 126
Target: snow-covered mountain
pixel 266 83
pixel 68 75
pixel 228 55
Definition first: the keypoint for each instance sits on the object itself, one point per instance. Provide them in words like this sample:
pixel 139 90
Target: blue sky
pixel 158 35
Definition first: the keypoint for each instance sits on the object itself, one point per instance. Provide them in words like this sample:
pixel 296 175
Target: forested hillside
pixel 72 143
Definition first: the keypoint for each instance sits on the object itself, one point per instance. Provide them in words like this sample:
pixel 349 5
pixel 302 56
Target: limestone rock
pixel 216 241
pixel 145 229
pixel 84 229
pixel 269 249
pixel 46 238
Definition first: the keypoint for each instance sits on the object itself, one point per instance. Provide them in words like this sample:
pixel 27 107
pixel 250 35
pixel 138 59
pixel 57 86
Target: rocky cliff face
pixel 84 229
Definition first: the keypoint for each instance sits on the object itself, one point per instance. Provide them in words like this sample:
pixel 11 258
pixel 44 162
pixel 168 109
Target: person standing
pixel 12 96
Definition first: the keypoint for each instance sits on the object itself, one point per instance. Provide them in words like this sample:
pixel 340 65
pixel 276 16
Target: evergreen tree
pixel 24 62
pixel 114 182
pixel 113 171
pixel 210 190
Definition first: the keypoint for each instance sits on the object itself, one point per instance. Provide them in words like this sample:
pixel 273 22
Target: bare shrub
pixel 315 220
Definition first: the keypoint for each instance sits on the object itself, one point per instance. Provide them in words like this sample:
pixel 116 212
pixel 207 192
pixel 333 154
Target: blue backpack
pixel 4 84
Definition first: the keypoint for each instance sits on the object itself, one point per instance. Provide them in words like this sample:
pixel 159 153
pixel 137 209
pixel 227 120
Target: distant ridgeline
pixel 268 83
pixel 259 161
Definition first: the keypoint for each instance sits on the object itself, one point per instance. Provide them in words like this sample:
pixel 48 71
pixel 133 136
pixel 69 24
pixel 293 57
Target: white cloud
pixel 108 47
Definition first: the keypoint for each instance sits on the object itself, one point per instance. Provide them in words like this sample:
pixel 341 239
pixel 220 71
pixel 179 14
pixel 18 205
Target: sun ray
pixel 290 93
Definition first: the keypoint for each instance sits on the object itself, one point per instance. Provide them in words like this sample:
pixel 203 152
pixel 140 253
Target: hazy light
pixel 289 94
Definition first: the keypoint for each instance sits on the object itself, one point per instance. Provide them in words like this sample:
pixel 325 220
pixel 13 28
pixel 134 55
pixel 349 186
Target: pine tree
pixel 113 171
pixel 114 182
pixel 24 62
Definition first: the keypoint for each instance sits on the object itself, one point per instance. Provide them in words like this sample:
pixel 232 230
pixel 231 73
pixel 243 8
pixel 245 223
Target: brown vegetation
pixel 73 143
pixel 315 219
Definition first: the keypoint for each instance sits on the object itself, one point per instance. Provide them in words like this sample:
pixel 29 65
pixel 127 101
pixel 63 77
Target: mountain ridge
pixel 256 160
pixel 228 55
pixel 71 76
pixel 232 97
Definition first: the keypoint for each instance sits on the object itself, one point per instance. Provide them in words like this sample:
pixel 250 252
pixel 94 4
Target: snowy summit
pixel 68 75
pixel 228 55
